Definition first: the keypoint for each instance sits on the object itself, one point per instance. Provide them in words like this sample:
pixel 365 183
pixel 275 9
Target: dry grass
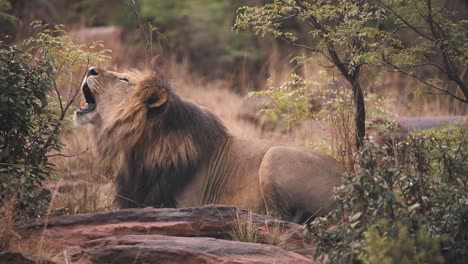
pixel 36 247
pixel 271 233
pixel 244 230
pixel 7 219
pixel 275 234
pixel 86 198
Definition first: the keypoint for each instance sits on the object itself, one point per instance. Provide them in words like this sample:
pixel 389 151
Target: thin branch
pixel 399 69
pixel 452 71
pixel 405 27
pixel 280 19
pixel 414 28
pixel 334 58
pixel 62 116
pixel 68 155
pixel 440 67
pixel 132 4
pixel 307 48
pixel 70 102
pixel 58 95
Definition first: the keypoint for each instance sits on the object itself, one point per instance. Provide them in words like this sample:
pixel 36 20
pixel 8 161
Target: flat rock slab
pixel 165 249
pixel 10 257
pixel 168 236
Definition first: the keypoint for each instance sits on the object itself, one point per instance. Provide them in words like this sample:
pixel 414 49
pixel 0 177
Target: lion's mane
pixel 155 151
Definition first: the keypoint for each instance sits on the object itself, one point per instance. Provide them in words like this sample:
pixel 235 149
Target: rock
pixel 404 126
pixel 164 249
pixel 9 257
pixel 189 226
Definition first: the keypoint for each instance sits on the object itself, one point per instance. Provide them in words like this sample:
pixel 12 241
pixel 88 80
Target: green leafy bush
pixel 26 127
pixel 32 114
pixel 405 248
pixel 420 183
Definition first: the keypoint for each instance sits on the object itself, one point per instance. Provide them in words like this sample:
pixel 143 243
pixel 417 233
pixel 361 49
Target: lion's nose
pixel 92 71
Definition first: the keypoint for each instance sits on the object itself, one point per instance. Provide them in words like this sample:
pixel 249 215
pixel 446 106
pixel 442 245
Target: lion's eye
pixel 124 79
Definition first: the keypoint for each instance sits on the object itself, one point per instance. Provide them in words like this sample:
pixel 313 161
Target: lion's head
pixel 153 139
pixel 102 91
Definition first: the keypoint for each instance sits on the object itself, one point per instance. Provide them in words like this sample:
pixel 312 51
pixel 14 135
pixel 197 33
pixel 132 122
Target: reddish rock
pixel 165 249
pixel 112 228
pixel 9 257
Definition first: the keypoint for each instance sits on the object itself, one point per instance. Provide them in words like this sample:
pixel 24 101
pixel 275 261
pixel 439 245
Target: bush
pixel 26 128
pixel 381 249
pixel 31 115
pixel 420 183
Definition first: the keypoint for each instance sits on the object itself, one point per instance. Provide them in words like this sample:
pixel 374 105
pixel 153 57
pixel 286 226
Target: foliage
pixel 405 248
pixel 352 35
pixel 7 21
pixel 298 100
pixel 288 103
pixel 440 49
pixel 26 129
pixel 347 27
pixel 67 56
pixel 421 183
pixel 31 116
pixel 344 33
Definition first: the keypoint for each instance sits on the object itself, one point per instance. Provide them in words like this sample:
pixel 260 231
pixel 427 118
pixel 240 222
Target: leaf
pixel 355 217
pixel 414 207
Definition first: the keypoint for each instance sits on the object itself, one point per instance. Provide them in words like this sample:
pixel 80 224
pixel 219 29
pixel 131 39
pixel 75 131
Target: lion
pixel 170 152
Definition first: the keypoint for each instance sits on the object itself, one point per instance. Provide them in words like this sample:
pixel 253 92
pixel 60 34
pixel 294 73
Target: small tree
pixel 351 35
pixel 345 33
pixel 438 46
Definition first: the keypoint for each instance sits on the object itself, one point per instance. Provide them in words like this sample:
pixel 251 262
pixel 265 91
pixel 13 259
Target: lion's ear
pixel 160 100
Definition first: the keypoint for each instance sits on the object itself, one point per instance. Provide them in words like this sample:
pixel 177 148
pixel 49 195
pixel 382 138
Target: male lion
pixel 168 152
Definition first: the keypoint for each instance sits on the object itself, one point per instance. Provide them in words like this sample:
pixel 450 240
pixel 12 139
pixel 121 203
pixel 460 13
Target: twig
pixel 68 155
pixel 132 4
pixel 58 95
pixel 399 69
pixel 440 67
pixel 414 28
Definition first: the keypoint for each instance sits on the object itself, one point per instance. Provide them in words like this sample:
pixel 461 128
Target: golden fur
pixel 161 140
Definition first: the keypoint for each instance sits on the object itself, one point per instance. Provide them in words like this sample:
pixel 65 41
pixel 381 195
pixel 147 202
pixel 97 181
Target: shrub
pixel 31 115
pixel 26 127
pixel 406 249
pixel 421 183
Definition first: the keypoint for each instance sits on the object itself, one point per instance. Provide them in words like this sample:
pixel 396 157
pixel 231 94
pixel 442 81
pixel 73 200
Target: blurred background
pixel 199 34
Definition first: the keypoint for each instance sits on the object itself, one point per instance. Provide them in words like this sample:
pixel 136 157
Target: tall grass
pixel 8 218
pixel 244 230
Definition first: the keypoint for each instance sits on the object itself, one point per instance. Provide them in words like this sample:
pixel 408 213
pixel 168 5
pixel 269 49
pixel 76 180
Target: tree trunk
pixel 360 111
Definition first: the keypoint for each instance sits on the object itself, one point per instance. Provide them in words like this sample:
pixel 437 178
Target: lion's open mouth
pixel 90 105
